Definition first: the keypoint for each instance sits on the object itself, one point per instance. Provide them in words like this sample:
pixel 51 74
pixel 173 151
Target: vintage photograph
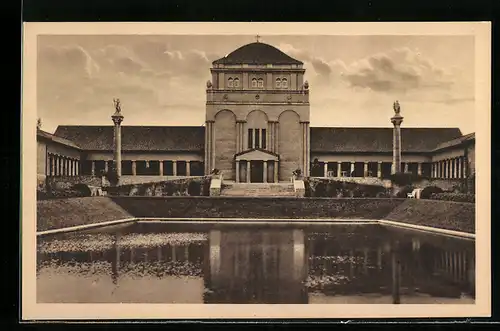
pixel 256 168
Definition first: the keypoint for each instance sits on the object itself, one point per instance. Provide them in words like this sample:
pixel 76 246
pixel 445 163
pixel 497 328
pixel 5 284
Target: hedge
pixel 403 192
pixel 341 189
pixel 457 197
pixel 430 190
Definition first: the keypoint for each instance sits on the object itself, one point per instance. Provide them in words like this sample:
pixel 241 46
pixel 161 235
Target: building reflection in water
pixel 251 266
pixel 289 265
pixel 399 267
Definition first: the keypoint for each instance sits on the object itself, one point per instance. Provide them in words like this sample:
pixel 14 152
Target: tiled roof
pixel 54 138
pixel 257 53
pixel 192 138
pixel 137 138
pixel 457 141
pixel 333 139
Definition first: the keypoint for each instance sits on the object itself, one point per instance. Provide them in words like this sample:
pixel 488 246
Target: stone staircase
pixel 257 189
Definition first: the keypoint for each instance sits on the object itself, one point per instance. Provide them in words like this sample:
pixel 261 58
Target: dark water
pixel 160 263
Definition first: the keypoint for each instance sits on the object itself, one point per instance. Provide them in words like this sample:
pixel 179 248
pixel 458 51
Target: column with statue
pixel 117 118
pixel 396 120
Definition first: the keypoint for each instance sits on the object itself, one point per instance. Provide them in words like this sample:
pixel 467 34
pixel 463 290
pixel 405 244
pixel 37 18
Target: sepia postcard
pixel 255 170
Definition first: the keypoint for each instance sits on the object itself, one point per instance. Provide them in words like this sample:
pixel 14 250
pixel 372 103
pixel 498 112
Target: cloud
pixel 397 70
pixel 164 82
pixel 67 60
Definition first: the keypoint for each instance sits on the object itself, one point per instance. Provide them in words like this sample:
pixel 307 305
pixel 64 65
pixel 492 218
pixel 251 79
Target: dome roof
pixel 257 53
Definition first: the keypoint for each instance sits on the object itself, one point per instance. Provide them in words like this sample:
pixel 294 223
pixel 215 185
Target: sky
pixel 161 79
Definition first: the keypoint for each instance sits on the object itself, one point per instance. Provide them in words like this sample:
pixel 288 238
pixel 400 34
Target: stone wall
pixel 471 154
pixel 41 151
pixel 225 143
pixel 289 144
pixel 252 207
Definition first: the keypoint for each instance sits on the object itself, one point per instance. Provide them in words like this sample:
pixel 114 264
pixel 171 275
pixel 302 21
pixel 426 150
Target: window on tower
pixel 254 82
pixel 284 83
pixel 260 83
pixel 263 133
pixel 236 82
pixel 278 83
pixel 230 82
pixel 257 140
pixel 250 138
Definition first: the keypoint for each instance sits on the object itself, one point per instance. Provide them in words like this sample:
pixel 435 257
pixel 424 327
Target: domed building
pixel 256 130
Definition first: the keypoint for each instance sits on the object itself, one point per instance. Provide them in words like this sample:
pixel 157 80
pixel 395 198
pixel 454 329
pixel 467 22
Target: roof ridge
pixel 384 127
pixel 132 126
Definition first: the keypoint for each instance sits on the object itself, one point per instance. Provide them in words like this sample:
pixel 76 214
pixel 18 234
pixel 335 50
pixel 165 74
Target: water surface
pixel 199 263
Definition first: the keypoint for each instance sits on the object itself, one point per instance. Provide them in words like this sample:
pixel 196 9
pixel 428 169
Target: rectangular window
pixel 264 138
pixel 181 168
pixel 257 134
pixel 250 138
pixel 168 168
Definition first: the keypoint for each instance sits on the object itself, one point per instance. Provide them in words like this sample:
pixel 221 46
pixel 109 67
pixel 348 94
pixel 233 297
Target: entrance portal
pixel 257 171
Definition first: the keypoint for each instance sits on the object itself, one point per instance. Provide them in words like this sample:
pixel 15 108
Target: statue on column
pixel 117 105
pixel 396 107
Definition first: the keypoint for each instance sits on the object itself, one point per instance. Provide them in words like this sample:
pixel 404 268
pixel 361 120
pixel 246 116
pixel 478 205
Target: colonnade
pixel 456 265
pixel 161 171
pixel 59 165
pixel 450 168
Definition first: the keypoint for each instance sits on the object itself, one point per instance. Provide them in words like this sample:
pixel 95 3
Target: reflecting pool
pixel 301 264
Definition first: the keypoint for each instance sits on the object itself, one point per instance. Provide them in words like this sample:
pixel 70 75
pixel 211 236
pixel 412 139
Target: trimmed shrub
pixel 401 178
pixel 382 194
pixel 337 189
pixel 430 190
pixel 320 190
pixel 112 175
pixel 403 192
pixel 307 187
pixel 83 189
pixel 205 187
pixel 332 189
pixel 457 197
pixel 169 189
pixel 194 188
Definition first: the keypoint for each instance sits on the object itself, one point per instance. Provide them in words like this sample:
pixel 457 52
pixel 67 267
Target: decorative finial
pixel 306 85
pixel 117 105
pixel 39 123
pixel 257 37
pixel 209 84
pixel 396 107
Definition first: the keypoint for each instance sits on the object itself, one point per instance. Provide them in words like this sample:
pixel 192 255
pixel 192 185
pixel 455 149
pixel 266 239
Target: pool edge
pixel 248 221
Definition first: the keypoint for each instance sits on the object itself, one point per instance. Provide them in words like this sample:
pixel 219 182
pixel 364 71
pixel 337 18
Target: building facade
pixel 257 129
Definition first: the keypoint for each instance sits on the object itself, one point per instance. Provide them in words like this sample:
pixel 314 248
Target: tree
pixel 316 168
pixel 112 175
